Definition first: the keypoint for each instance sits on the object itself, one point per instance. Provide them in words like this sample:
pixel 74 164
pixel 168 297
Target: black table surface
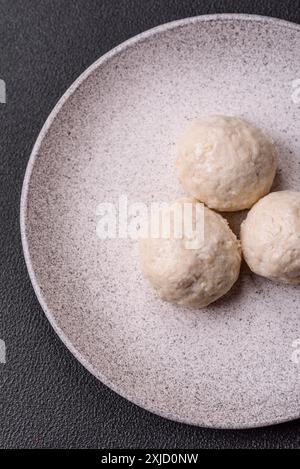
pixel 47 399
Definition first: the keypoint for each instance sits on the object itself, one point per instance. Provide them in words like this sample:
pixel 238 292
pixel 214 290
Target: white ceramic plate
pixel 236 363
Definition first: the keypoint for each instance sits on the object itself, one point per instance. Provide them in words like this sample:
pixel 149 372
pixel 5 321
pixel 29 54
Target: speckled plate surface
pixel 236 363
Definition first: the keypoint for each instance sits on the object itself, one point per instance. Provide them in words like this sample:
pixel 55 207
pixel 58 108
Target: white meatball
pixel 270 237
pixel 192 275
pixel 225 162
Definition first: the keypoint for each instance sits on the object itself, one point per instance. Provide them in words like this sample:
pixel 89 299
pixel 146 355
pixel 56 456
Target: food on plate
pixel 270 237
pixel 199 266
pixel 225 162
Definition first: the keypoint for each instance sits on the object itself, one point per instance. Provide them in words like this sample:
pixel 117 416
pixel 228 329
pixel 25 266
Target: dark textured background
pixel 47 399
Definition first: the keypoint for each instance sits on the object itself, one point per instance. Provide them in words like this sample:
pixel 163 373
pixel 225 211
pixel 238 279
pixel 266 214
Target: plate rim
pixel 219 17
